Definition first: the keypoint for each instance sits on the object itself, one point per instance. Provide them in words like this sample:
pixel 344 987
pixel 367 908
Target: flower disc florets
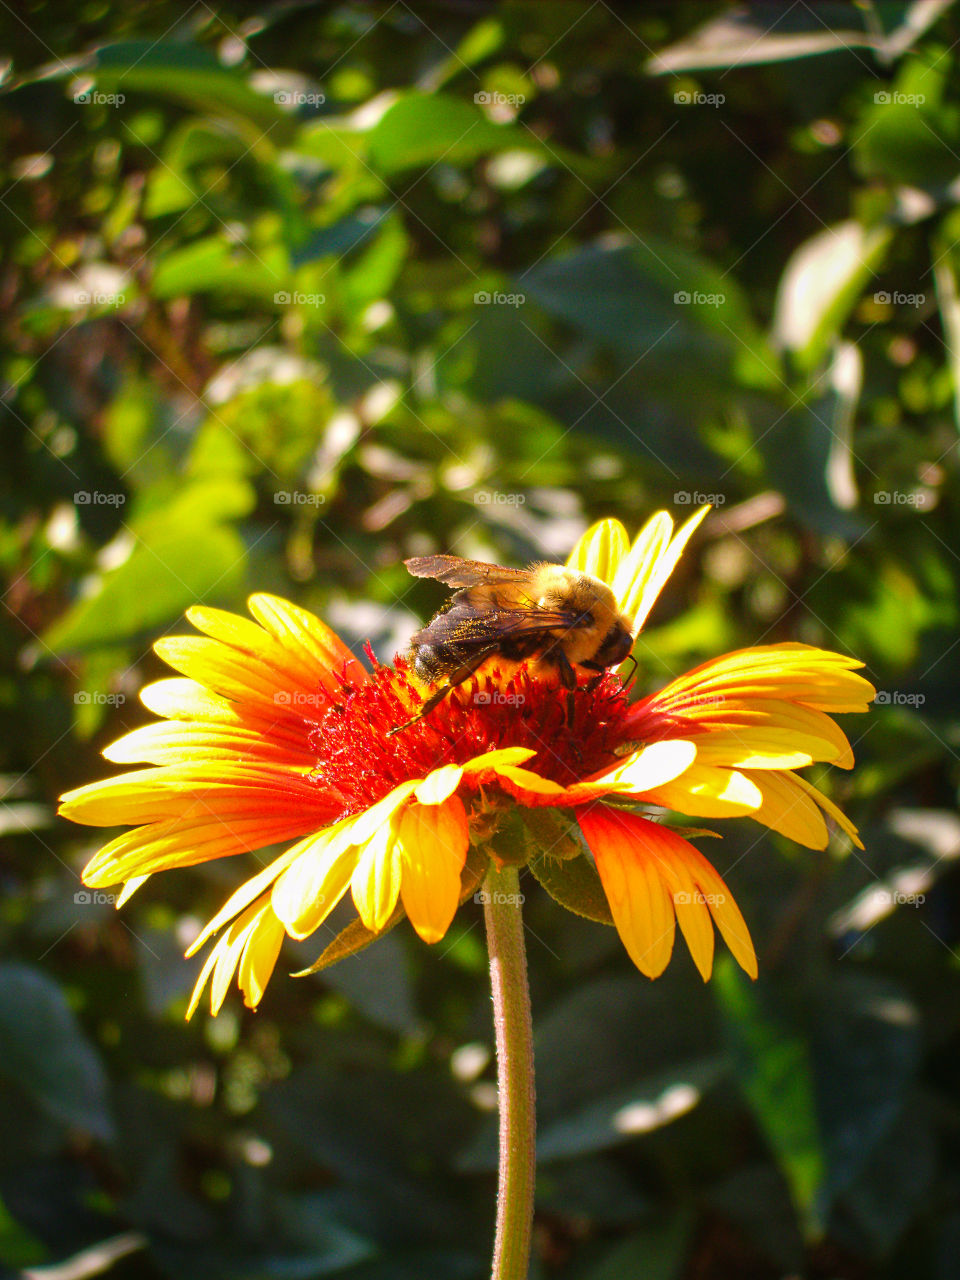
pixel 574 735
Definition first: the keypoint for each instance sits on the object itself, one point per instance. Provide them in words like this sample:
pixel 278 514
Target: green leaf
pixel 212 265
pixel 866 1052
pixel 658 299
pixel 575 884
pixel 423 129
pixel 910 133
pixel 804 450
pixel 773 1066
pixel 193 75
pixel 160 578
pixel 181 555
pixel 639 1108
pixel 656 1252
pixel 45 1053
pixel 948 299
pixel 820 286
pixel 759 33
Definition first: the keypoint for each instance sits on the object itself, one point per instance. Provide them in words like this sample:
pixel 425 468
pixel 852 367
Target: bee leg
pixel 434 700
pixel 455 678
pixel 568 678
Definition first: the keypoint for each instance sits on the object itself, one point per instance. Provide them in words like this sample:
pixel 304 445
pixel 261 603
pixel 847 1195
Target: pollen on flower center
pixel 358 764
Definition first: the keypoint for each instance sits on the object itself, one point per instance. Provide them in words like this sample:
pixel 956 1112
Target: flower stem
pixel 514 1035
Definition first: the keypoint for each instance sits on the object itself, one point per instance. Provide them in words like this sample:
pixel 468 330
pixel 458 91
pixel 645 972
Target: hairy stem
pixel 514 1034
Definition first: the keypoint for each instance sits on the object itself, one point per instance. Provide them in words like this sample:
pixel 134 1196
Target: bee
pixel 556 618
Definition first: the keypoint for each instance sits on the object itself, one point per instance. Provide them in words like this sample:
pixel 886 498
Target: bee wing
pixel 486 628
pixel 455 572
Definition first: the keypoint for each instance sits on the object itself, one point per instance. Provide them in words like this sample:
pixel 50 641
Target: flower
pixel 275 732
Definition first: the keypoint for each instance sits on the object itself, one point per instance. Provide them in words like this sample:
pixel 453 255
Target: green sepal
pixel 351 939
pixel 575 884
pixel 474 872
pixel 551 832
pixel 509 843
pixel 356 936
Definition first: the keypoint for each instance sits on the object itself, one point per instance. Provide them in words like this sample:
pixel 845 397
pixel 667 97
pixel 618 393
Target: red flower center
pixel 573 734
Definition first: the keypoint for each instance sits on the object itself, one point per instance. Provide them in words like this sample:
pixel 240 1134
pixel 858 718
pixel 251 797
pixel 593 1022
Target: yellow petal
pixel 175 697
pixel 652 766
pixel 719 900
pixel 150 795
pixel 183 741
pixel 600 550
pixel 709 791
pixel 439 784
pixel 242 897
pixel 303 634
pixel 637 566
pixel 825 803
pixel 160 846
pixel 314 882
pixel 653 557
pixel 375 883
pixel 490 761
pixel 631 853
pixel 129 889
pixel 432 841
pixel 789 809
pixel 642 908
pixel 762 748
pixel 205 971
pixel 693 916
pixel 259 958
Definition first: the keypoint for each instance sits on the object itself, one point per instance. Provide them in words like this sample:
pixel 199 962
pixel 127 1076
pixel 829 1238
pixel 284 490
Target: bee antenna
pixel 633 674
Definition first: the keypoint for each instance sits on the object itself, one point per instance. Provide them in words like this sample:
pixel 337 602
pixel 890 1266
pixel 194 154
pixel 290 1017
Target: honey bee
pixel 556 618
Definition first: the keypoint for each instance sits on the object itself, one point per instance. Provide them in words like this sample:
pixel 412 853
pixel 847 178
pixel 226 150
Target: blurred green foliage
pixel 291 293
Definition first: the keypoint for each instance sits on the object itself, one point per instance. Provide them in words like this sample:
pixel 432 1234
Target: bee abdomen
pixel 434 661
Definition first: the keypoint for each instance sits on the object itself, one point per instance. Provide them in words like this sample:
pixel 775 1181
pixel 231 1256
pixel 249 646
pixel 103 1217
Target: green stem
pixel 514 1035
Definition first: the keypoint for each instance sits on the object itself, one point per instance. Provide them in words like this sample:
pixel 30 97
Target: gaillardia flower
pixel 274 732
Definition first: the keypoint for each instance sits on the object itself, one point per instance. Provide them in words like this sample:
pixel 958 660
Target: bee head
pixel 614 647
